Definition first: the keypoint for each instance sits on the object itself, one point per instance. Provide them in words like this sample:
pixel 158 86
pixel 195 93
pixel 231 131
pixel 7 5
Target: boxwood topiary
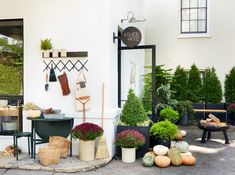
pixel 169 114
pixel 133 113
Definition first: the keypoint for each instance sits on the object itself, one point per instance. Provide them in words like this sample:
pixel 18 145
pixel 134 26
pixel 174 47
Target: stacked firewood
pixel 212 121
pixel 9 151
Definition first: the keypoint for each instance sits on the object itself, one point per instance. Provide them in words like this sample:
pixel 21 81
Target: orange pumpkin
pixel 188 160
pixel 178 136
pixel 162 161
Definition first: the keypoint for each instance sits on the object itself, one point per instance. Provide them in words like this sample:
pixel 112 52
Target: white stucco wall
pixel 75 25
pixel 218 50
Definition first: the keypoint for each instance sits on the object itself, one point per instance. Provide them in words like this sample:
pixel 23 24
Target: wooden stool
pixel 19 135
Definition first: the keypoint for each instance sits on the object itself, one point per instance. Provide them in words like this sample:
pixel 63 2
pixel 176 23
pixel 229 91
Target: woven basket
pixel 60 143
pixel 49 156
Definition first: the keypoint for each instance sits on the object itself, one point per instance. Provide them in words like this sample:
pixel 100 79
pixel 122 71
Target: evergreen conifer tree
pixel 229 86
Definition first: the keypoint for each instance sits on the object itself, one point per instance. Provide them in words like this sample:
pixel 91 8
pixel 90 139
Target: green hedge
pixel 10 80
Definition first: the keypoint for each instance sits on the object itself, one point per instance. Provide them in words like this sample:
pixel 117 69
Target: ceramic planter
pixel 87 150
pixel 46 53
pixel 128 155
pixel 63 53
pixel 55 54
pixel 33 113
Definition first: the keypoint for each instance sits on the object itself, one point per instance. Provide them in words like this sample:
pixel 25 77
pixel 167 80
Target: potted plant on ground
pixel 185 109
pixel 129 141
pixel 163 132
pixel 46 46
pixel 231 112
pixel 87 134
pixel 169 114
pixel 32 110
pixel 134 117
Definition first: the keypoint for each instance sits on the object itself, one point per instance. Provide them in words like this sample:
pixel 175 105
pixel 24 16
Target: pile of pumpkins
pixel 177 155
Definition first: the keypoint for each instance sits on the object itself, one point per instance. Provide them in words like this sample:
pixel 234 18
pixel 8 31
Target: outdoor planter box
pixel 183 120
pixel 143 130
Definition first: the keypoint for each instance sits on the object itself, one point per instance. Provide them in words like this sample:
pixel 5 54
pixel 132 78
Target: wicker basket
pixel 60 143
pixel 49 156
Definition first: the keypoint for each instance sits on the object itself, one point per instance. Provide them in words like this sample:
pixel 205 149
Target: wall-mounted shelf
pixel 69 55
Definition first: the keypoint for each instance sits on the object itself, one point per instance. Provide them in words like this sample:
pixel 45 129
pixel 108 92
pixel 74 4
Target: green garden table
pixel 45 128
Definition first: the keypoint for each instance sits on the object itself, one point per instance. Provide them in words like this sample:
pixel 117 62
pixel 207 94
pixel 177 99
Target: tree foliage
pixel 212 91
pixel 229 86
pixel 133 112
pixel 194 85
pixel 179 84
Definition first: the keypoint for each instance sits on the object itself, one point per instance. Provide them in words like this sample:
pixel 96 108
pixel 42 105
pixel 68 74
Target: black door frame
pixel 153 48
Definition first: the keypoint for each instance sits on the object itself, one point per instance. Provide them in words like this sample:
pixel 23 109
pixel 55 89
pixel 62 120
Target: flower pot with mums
pixel 87 134
pixel 129 141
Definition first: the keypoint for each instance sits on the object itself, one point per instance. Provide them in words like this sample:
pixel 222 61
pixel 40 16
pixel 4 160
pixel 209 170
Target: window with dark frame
pixel 193 16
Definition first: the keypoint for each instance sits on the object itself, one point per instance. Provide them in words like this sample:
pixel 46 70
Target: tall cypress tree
pixel 179 84
pixel 229 86
pixel 194 85
pixel 212 87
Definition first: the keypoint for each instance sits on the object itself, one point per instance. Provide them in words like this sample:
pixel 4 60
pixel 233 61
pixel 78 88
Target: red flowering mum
pixel 87 131
pixel 130 139
pixel 231 107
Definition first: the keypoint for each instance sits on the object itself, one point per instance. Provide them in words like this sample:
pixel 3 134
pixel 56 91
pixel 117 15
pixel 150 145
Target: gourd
pixel 174 155
pixel 179 136
pixel 160 150
pixel 182 146
pixel 186 154
pixel 148 161
pixel 162 161
pixel 151 153
pixel 188 160
pixel 183 132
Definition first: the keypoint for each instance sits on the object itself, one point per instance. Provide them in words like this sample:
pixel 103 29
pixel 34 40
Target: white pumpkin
pixel 186 154
pixel 173 144
pixel 182 146
pixel 183 132
pixel 160 150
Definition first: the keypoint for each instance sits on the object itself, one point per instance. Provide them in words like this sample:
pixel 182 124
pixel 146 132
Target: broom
pixel 102 149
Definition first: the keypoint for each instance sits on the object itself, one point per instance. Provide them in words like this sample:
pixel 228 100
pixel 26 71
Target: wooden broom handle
pixel 102 107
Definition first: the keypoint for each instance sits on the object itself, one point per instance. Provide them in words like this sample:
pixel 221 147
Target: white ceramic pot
pixel 9 126
pixel 87 150
pixel 55 53
pixel 46 53
pixel 63 53
pixel 128 155
pixel 33 113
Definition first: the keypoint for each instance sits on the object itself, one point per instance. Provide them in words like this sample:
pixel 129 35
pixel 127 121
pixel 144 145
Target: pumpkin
pixel 173 143
pixel 183 132
pixel 188 160
pixel 162 161
pixel 160 150
pixel 174 155
pixel 151 153
pixel 186 154
pixel 148 160
pixel 182 146
pixel 179 136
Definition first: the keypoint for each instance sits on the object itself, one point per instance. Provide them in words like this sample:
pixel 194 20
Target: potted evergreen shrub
pixel 129 141
pixel 169 114
pixel 46 46
pixel 163 132
pixel 134 117
pixel 185 109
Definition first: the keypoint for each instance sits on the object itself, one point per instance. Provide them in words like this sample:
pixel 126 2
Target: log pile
pixel 212 121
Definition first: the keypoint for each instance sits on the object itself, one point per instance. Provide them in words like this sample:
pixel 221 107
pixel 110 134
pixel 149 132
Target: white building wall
pixel 75 25
pixel 218 50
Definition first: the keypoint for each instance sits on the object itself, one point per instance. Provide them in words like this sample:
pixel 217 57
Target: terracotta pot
pixel 33 113
pixel 128 155
pixel 87 150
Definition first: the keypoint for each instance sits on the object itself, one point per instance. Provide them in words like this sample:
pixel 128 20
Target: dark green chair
pixel 15 141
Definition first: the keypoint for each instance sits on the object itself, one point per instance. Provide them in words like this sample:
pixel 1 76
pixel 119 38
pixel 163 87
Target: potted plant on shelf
pixel 163 132
pixel 129 141
pixel 169 114
pixel 32 110
pixel 87 134
pixel 185 110
pixel 46 46
pixel 134 117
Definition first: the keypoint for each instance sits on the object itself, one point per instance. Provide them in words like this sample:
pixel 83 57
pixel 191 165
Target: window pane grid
pixel 193 16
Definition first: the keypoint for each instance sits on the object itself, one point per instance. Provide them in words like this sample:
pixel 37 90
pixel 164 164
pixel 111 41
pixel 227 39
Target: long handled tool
pixel 83 100
pixel 102 149
pixel 46 85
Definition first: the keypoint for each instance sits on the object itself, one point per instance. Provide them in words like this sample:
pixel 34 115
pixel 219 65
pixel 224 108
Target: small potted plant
pixel 87 134
pixel 46 46
pixel 129 141
pixel 231 110
pixel 169 114
pixel 185 109
pixel 32 110
pixel 163 132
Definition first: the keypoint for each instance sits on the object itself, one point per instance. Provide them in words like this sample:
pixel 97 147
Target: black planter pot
pixel 231 116
pixel 159 141
pixel 183 120
pixel 143 130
